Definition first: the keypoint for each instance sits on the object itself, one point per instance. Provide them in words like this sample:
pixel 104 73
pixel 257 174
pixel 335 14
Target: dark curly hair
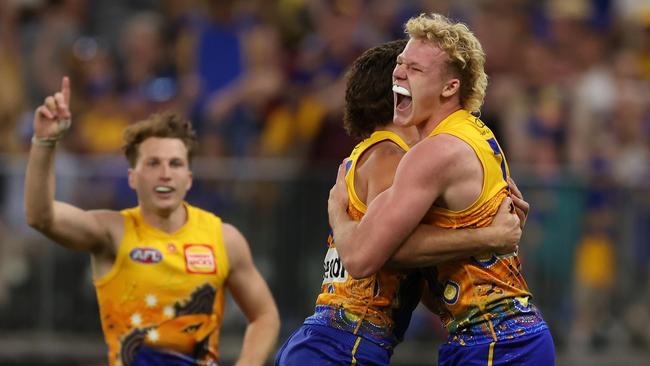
pixel 368 96
pixel 166 124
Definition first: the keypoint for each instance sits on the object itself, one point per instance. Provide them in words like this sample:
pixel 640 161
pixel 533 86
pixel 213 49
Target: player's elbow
pixel 38 220
pixel 269 320
pixel 274 323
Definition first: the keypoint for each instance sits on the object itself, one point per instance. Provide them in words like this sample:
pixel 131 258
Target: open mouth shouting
pixel 402 97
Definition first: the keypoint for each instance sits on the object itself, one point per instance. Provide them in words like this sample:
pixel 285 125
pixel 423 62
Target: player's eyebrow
pixel 409 63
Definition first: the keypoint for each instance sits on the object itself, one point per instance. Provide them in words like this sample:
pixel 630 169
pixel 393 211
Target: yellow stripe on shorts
pixel 491 353
pixel 354 351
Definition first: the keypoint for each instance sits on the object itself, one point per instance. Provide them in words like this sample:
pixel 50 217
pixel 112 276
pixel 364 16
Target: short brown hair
pixel 164 125
pixel 368 96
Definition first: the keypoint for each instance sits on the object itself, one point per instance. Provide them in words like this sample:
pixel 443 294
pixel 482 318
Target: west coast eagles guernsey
pixel 378 307
pixel 481 299
pixel 162 301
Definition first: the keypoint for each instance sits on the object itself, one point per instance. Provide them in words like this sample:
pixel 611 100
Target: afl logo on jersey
pixel 146 255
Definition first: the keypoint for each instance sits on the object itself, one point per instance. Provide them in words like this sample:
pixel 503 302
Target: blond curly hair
pixel 464 50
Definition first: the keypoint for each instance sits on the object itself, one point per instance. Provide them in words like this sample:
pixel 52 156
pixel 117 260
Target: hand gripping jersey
pixel 162 302
pixel 481 299
pixel 378 307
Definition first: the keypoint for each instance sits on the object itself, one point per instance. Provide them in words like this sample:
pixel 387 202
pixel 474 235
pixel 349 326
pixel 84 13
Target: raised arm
pixel 67 225
pixel 253 297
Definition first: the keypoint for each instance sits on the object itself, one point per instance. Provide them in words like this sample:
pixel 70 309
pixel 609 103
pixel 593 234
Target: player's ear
pixel 451 87
pixel 131 177
pixel 189 183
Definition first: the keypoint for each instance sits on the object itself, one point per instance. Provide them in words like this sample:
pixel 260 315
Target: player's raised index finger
pixel 65 90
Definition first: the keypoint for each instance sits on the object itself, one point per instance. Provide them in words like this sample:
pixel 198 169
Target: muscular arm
pixel 430 245
pixel 253 297
pixel 63 223
pixel 427 245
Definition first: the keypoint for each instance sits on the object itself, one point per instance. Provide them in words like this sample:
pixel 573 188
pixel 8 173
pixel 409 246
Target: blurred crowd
pixel 568 97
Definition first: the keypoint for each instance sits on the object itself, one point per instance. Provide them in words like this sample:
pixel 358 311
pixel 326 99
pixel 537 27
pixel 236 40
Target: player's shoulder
pixel 233 238
pixel 436 157
pixel 229 231
pixel 380 156
pixel 235 244
pixel 384 149
pixel 442 147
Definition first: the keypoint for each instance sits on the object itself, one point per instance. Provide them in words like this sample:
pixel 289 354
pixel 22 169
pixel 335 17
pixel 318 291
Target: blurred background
pixel 262 81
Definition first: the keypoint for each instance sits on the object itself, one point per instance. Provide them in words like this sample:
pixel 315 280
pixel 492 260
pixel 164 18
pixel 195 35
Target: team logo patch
pixel 146 255
pixel 451 292
pixel 199 258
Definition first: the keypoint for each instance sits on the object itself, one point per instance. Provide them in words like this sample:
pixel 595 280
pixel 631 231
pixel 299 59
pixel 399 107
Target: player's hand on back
pixel 508 228
pixel 338 199
pixel 521 206
pixel 52 118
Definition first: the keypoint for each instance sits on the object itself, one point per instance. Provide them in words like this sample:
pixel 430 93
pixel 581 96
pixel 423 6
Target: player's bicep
pixel 397 211
pixel 412 193
pixel 78 229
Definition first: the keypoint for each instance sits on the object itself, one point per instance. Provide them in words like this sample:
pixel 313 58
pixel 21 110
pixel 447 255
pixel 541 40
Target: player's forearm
pixel 39 186
pixel 429 245
pixel 260 339
pixel 342 231
pixel 351 250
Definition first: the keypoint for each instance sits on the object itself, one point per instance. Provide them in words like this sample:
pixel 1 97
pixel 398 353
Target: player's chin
pixel 168 203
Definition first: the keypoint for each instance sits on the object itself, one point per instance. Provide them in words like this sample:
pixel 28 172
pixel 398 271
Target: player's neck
pixel 408 134
pixel 167 221
pixel 445 110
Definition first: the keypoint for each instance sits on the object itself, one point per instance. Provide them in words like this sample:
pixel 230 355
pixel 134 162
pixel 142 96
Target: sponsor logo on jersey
pixel 145 255
pixel 199 258
pixel 333 267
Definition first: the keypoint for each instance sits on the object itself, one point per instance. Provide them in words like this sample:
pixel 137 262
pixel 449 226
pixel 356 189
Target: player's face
pixel 418 81
pixel 161 176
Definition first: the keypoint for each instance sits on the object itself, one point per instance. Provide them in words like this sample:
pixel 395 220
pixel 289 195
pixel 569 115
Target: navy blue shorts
pixel 531 350
pixel 148 356
pixel 321 345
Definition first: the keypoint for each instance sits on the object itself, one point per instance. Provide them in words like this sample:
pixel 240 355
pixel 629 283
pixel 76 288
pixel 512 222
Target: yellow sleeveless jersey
pixel 378 307
pixel 485 299
pixel 163 298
